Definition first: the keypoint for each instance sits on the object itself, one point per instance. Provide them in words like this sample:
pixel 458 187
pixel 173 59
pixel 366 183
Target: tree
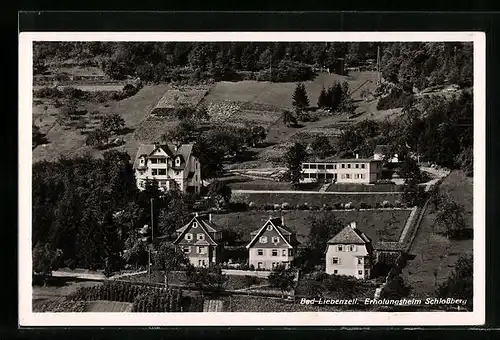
pixel 206 278
pixel 112 123
pixel 396 288
pixel 113 246
pixel 282 278
pixel 450 217
pixel 168 258
pixel 184 132
pixel 409 170
pixel 323 98
pixel 413 194
pixel 322 147
pixel 294 157
pixel 37 137
pixel 45 260
pixel 465 160
pixel 220 192
pixel 210 156
pixel 176 210
pixel 459 284
pixel 323 228
pixel 300 101
pixel 98 137
pixel 289 118
pixel 257 135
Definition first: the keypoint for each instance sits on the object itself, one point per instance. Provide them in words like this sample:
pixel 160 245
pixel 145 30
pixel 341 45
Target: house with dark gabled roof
pixel 200 240
pixel 383 152
pixel 349 253
pixel 170 166
pixel 272 245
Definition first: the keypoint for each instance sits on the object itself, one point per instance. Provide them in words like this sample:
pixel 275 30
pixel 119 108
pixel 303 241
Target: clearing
pixel 434 251
pixel 374 223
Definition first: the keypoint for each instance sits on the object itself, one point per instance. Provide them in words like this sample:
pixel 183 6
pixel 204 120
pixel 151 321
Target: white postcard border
pixel 28 318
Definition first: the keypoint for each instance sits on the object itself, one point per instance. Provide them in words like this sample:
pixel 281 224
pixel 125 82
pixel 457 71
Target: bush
pixel 364 205
pixel 285 206
pixel 397 98
pixel 348 205
pixel 277 207
pixel 252 205
pixel 338 205
pixel 397 203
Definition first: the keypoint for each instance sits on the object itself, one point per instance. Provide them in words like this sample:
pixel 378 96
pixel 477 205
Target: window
pixel 362 176
pixel 343 166
pixel 339 248
pixel 321 166
pixel 274 252
pixel 335 271
pixel 335 260
pixel 188 237
pixel 162 160
pixel 329 176
pixel 351 247
pixel 348 166
pixel 195 224
pixel 290 252
pixel 186 250
pixel 178 161
pixel 347 176
pixel 356 176
pixel 202 250
pixel 154 172
pixel 177 173
pixel 357 166
pixel 360 260
pixel 313 166
pixel 153 160
pixel 329 166
pixel 314 175
pixel 367 273
pixel 360 272
pixel 196 178
pixel 269 227
pixel 200 237
pixel 283 252
pixel 363 166
pixel 260 252
pixel 305 166
pixel 162 172
pixel 142 161
pixel 263 239
pixel 275 239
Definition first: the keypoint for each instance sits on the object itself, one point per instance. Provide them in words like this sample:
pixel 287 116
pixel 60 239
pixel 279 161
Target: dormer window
pixel 141 161
pixel 275 239
pixel 177 161
pixel 269 227
pixel 263 239
pixel 195 224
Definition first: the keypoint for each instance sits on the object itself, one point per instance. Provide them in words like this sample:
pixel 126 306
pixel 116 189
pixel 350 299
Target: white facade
pixel 342 171
pixel 177 168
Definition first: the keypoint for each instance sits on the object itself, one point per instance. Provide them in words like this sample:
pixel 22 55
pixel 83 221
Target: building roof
pixel 277 223
pixel 343 160
pixel 388 246
pixel 350 235
pixel 381 148
pixel 185 151
pixel 203 223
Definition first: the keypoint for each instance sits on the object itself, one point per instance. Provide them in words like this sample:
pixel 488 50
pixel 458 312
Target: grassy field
pixel 434 251
pixel 390 222
pixel 70 141
pixel 313 199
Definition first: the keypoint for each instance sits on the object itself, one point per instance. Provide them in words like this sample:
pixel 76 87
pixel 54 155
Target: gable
pixel 195 227
pixel 349 235
pixel 270 231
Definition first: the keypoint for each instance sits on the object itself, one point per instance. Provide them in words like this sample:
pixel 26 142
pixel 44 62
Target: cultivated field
pixel 434 251
pixel 182 95
pixel 372 223
pixel 108 307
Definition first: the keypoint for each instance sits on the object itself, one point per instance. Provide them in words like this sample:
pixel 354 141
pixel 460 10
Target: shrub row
pixel 112 291
pixel 159 300
pixel 92 96
pixel 324 207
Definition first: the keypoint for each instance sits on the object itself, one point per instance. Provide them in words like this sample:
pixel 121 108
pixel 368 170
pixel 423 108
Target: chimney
pixel 210 218
pixel 357 156
pixel 353 225
pixel 282 220
pixel 195 214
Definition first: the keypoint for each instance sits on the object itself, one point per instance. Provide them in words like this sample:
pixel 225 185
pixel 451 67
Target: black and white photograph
pixel 276 179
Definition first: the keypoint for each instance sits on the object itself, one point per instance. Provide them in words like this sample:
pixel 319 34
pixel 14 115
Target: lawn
pixel 317 199
pixel 372 223
pixel 364 188
pixel 434 251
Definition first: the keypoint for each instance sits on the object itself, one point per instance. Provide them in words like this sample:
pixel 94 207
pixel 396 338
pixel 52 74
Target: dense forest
pixel 410 64
pixel 89 209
